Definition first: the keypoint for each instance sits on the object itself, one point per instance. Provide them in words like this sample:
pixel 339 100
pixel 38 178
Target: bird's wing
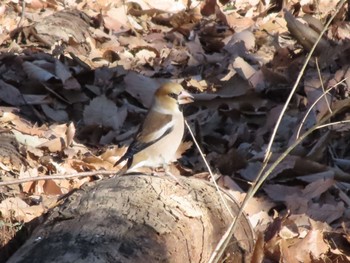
pixel 155 127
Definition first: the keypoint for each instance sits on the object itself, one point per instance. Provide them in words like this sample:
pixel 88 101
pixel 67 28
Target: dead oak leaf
pixel 20 210
pixel 10 94
pixel 37 73
pixel 102 111
pixel 141 88
pixel 311 247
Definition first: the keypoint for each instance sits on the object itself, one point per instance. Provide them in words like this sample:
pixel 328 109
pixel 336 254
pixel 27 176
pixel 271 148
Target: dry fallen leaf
pixel 103 112
pixel 10 94
pixel 312 247
pixel 35 72
pixel 16 207
pixel 98 71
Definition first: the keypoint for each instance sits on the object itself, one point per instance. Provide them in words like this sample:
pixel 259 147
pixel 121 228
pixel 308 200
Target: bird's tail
pixel 123 158
pixel 122 171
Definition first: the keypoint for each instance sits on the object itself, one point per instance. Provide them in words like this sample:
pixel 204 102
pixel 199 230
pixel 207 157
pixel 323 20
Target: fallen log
pixel 138 219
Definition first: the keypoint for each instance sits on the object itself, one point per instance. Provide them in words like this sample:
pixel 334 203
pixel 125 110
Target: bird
pixel 160 135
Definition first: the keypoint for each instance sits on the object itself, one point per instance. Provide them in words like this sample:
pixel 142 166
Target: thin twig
pixel 313 105
pixel 321 81
pixel 332 124
pixel 57 177
pixel 22 14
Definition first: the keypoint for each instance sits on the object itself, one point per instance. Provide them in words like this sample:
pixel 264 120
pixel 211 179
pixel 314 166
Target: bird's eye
pixel 173 95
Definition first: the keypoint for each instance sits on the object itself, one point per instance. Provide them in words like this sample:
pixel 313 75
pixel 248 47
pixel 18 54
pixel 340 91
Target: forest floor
pixel 76 79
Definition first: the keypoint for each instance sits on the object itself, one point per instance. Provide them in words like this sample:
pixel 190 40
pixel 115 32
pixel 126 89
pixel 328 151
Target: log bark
pixel 138 219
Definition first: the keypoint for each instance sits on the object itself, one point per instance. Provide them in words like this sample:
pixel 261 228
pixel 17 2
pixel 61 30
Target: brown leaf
pixel 37 73
pixel 311 247
pixel 235 21
pixel 54 145
pixel 10 94
pixel 10 157
pixel 315 189
pixel 305 35
pixel 69 82
pixel 29 140
pixel 55 114
pixel 141 88
pixel 51 188
pixel 104 112
pixel 313 92
pixel 245 70
pixel 327 212
pixel 20 210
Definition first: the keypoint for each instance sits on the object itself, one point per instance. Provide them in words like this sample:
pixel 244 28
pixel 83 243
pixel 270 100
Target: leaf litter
pixel 72 98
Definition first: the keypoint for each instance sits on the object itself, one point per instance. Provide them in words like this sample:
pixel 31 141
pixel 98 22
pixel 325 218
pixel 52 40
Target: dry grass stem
pixel 262 176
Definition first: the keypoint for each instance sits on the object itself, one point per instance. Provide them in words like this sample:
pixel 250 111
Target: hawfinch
pixel 161 133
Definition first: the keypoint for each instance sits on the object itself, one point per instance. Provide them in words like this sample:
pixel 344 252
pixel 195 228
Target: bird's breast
pixel 164 151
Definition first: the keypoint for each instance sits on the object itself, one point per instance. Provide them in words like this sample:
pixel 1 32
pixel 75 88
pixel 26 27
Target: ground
pixel 75 86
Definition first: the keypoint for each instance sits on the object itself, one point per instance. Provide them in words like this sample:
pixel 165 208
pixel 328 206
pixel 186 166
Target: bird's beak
pixel 184 97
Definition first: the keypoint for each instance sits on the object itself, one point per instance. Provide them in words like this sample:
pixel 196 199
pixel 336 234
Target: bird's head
pixel 168 97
